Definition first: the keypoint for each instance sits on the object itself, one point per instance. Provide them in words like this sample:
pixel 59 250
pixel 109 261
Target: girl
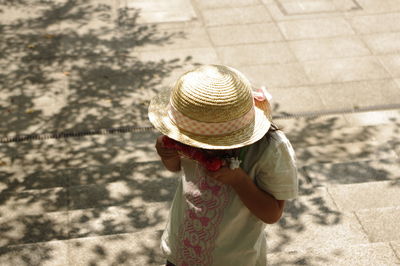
pixel 218 216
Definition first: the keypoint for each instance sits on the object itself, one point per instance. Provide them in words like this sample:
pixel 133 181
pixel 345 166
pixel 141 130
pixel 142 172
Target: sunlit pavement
pixel 103 199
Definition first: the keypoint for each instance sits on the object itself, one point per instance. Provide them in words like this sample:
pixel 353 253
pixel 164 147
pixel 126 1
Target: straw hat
pixel 210 107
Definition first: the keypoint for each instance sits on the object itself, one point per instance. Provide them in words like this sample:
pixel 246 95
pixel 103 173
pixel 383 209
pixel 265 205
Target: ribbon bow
pixel 262 94
pixel 262 98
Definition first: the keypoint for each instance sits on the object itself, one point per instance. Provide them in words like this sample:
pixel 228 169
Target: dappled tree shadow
pixel 72 66
pixel 330 151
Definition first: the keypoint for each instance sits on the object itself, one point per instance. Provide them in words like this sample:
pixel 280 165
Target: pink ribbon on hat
pixel 262 94
pixel 262 100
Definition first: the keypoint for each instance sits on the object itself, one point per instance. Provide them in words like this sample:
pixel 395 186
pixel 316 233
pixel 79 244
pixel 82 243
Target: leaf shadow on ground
pixel 65 189
pixel 73 65
pixel 330 151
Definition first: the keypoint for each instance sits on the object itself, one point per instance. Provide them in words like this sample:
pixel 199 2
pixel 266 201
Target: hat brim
pixel 158 115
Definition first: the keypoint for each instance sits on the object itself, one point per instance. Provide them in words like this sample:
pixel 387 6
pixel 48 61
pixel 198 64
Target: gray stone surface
pixel 345 70
pixel 313 201
pixel 353 172
pixel 82 65
pixel 242 34
pixel 25 228
pixel 396 247
pixel 383 43
pixel 314 29
pixel 255 54
pixel 52 253
pixel 337 47
pixel 141 248
pixel 347 152
pixel 158 11
pixel 360 255
pixel 371 195
pixel 34 202
pixel 210 4
pixel 381 225
pixel 236 15
pixel 129 218
pixel 328 229
pixel 277 75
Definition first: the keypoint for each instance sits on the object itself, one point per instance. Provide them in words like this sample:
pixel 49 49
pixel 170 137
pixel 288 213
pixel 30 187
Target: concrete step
pixel 14 180
pixel 139 248
pixel 97 186
pixel 19 229
pixel 324 229
pixel 345 153
pixel 322 174
pixel 381 225
pixel 342 128
pixel 365 196
pixel 381 253
pixel 338 215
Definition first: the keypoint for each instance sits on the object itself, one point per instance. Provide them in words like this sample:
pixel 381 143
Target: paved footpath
pixel 104 199
pixel 333 68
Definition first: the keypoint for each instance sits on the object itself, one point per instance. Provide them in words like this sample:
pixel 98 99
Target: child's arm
pixel 261 204
pixel 169 157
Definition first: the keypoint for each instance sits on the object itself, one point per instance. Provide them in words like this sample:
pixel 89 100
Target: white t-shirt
pixel 208 223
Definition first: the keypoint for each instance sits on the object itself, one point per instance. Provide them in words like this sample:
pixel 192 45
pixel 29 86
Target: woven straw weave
pixel 211 94
pixel 197 94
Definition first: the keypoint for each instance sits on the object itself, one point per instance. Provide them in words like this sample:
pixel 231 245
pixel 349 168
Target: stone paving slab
pixel 255 54
pixel 328 229
pixel 315 202
pixel 383 43
pixel 277 75
pixel 159 11
pixel 122 192
pixel 371 195
pixel 306 97
pixel 21 229
pixel 345 70
pixel 53 253
pixel 283 10
pixel 360 255
pixel 118 219
pixel 371 6
pixel 140 248
pixel 244 34
pixel 348 152
pixel 338 47
pixel 376 23
pixel 359 127
pixel 390 119
pixel 381 225
pixel 210 4
pixel 353 172
pixel 392 64
pixel 33 202
pixel 316 28
pixel 396 247
pixel 236 15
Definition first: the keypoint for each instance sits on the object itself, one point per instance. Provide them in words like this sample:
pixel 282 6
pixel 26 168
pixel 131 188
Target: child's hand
pixel 228 176
pixel 165 153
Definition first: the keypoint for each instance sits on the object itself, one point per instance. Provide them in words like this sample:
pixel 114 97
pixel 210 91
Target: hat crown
pixel 212 93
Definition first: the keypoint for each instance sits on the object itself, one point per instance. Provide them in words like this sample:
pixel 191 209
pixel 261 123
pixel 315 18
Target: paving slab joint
pixel 362 227
pixel 394 251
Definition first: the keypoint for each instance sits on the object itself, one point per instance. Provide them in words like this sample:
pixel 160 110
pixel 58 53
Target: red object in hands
pixel 210 163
